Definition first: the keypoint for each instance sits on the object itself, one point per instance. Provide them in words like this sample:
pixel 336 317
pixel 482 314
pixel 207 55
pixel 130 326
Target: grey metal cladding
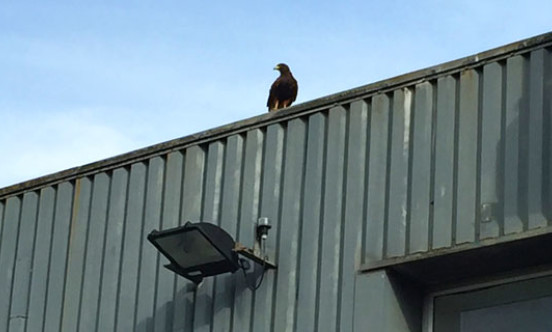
pixel 454 154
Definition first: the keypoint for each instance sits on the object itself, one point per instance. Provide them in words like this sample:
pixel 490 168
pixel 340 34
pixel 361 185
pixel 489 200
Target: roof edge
pixel 274 117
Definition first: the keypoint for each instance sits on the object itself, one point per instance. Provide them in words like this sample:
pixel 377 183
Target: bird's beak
pixel 276 68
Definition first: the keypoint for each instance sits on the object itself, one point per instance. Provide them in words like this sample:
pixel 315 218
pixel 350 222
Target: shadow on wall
pixel 409 294
pixel 163 318
pixel 523 166
pixel 196 307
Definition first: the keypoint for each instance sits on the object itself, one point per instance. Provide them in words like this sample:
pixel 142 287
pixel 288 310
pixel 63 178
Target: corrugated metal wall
pixel 453 157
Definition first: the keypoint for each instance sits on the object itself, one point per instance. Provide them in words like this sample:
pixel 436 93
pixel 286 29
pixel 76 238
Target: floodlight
pixel 196 250
pixel 199 250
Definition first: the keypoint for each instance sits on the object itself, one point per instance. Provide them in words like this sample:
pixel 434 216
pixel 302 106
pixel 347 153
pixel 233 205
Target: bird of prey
pixel 283 91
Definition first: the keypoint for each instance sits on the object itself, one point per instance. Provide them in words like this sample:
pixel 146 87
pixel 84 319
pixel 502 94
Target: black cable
pixel 253 287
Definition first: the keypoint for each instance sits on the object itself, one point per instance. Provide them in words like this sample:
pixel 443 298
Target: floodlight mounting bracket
pixel 249 253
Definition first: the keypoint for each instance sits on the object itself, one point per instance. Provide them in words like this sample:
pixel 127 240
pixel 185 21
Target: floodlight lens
pixel 190 249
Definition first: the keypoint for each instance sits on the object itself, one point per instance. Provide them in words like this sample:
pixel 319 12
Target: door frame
pixel 474 285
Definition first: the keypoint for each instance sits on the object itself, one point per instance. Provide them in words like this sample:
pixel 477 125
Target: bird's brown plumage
pixel 283 91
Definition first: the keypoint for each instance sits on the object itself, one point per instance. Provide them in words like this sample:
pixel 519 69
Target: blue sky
pixel 83 82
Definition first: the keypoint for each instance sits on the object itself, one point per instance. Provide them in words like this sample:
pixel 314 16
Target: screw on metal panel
pixel 488 212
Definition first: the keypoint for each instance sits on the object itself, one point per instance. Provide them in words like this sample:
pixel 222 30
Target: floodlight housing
pixel 196 250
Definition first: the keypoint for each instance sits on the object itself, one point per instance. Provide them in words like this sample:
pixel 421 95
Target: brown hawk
pixel 283 91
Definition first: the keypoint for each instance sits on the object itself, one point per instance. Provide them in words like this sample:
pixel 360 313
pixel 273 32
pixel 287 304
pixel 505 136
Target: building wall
pixel 453 154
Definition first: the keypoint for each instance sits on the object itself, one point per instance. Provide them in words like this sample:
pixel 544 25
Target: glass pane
pixel 190 248
pixel 524 305
pixel 532 315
